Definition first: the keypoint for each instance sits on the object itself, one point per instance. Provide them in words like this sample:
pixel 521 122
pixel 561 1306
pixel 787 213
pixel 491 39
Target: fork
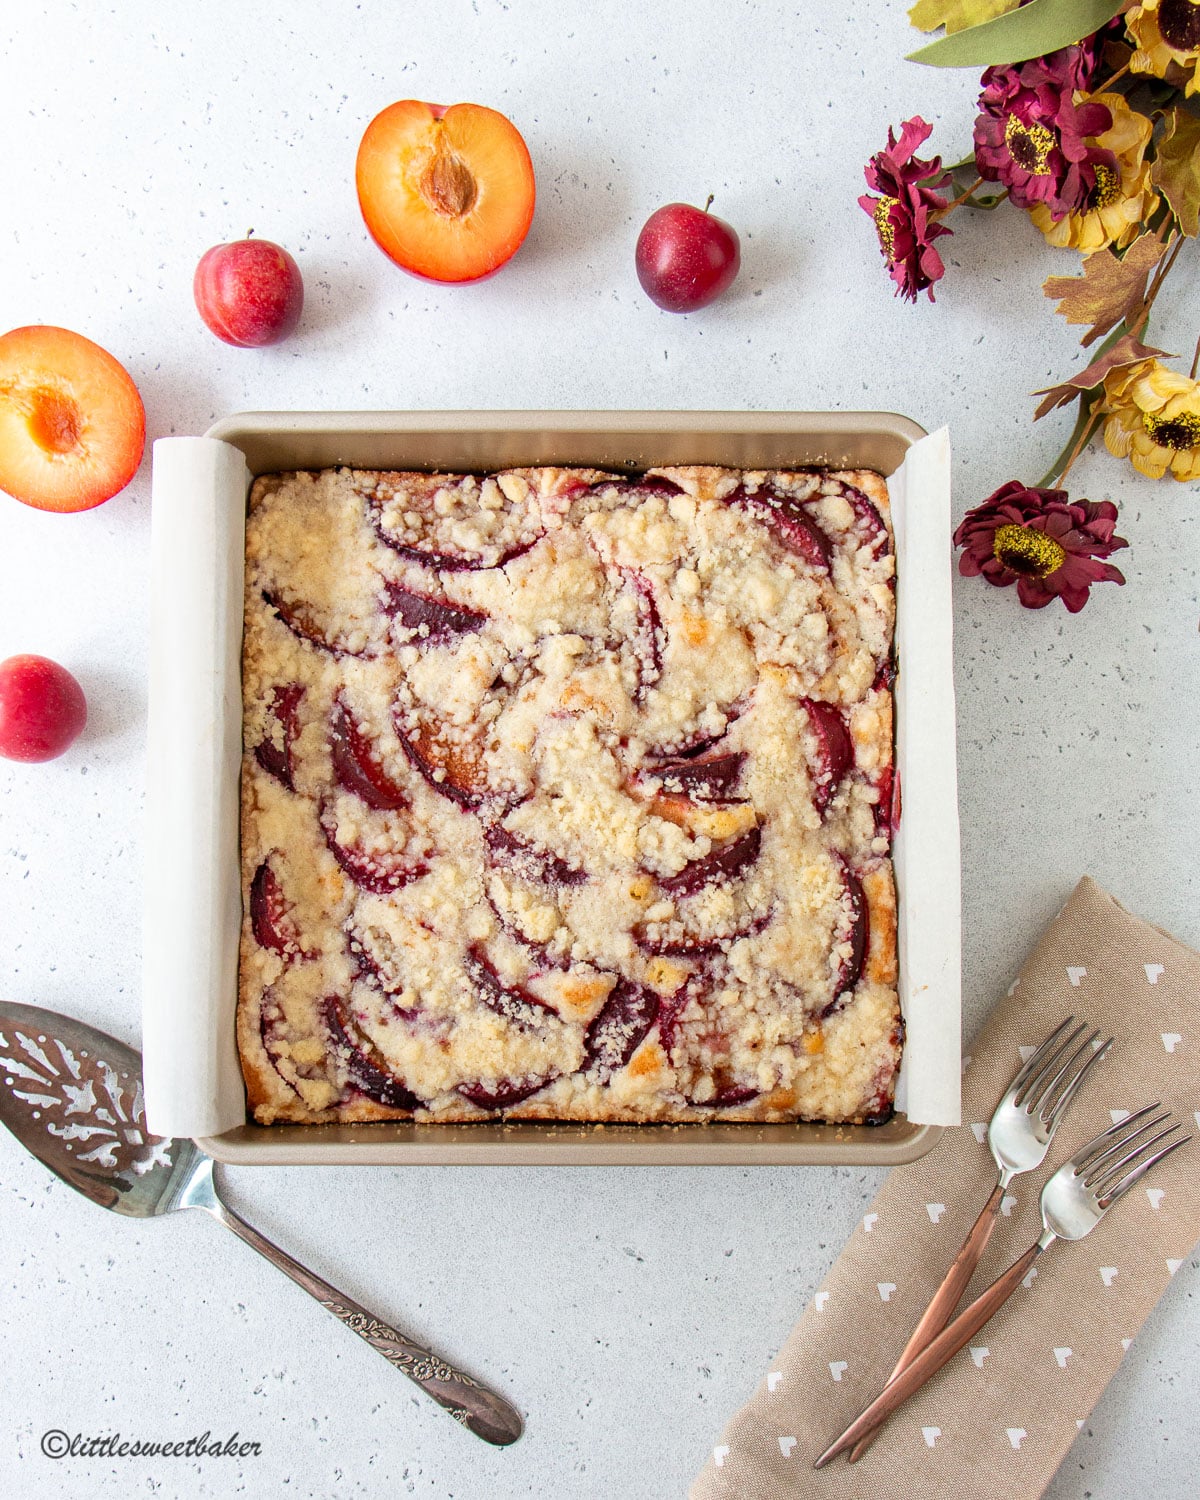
pixel 1019 1135
pixel 1073 1202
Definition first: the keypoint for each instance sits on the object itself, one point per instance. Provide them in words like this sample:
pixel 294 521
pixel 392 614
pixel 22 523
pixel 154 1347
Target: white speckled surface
pixel 627 1312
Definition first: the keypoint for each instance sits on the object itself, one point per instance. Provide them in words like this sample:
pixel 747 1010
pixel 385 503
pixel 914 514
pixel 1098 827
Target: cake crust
pixel 567 796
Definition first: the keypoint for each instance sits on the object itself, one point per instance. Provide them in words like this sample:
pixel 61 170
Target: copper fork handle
pixel 946 1298
pixel 943 1348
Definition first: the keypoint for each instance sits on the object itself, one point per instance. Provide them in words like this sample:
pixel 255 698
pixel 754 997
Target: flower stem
pixel 1117 76
pixel 962 197
pixel 1195 361
pixel 1087 422
pixel 1161 272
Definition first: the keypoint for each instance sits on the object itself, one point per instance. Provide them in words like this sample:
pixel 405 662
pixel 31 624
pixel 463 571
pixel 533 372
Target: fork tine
pixel 1037 1058
pixel 1102 1179
pixel 1047 1088
pixel 1099 1144
pixel 1122 1187
pixel 1046 1054
pixel 1072 1088
pixel 1100 1162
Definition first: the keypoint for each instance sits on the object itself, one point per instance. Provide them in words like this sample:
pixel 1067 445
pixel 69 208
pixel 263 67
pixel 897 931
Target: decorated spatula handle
pixel 483 1412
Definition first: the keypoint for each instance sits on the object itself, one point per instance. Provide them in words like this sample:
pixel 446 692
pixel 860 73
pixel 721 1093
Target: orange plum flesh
pixel 447 193
pixel 72 425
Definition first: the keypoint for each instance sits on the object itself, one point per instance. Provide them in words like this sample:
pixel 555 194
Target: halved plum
pixel 835 753
pixel 452 767
pixel 513 1002
pixel 356 768
pixel 379 871
pixel 504 1093
pixel 859 937
pixel 527 861
pixel 72 425
pixel 366 964
pixel 445 192
pixel 270 915
pixel 714 779
pixel 368 1071
pixel 276 759
pixel 438 618
pixel 302 625
pixel 618 1028
pixel 722 862
pixel 787 518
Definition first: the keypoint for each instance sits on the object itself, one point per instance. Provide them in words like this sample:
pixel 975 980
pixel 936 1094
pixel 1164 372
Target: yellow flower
pixel 1166 32
pixel 1154 419
pixel 1120 203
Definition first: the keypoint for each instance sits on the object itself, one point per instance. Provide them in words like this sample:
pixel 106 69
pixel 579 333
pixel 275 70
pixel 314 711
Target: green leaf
pixel 1176 170
pixel 957 15
pixel 1037 28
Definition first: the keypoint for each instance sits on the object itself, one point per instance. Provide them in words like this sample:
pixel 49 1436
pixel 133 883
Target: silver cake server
pixel 73 1096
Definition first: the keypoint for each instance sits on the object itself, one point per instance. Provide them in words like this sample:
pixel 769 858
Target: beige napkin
pixel 1002 1414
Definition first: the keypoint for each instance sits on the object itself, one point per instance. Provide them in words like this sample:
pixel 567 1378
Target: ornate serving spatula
pixel 73 1096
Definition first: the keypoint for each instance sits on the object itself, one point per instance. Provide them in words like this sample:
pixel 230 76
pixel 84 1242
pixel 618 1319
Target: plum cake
pixel 568 796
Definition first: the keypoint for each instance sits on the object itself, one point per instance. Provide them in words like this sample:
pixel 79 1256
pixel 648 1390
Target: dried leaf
pixel 957 15
pixel 1037 28
pixel 1126 351
pixel 1176 170
pixel 1109 288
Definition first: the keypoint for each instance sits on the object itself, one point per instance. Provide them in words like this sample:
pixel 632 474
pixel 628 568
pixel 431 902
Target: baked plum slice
pixel 368 1071
pixel 887 809
pixel 271 915
pixel 698 945
pixel 649 639
pixel 835 751
pixel 711 779
pixel 721 863
pixel 274 754
pixel 379 871
pixel 303 626
pixel 513 1002
pixel 527 861
pixel 427 538
pixel 437 618
pixel 618 1028
pixel 504 1093
pixel 453 768
pixel 869 524
pixel 640 484
pixel 729 1092
pixel 859 935
pixel 790 522
pixel 356 767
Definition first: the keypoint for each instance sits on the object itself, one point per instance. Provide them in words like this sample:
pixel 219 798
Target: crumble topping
pixel 568 796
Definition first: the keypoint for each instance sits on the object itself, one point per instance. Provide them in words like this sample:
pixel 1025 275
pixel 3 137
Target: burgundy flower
pixel 906 215
pixel 1031 135
pixel 1046 544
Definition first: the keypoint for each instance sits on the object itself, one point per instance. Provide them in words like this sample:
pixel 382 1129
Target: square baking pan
pixel 928 890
